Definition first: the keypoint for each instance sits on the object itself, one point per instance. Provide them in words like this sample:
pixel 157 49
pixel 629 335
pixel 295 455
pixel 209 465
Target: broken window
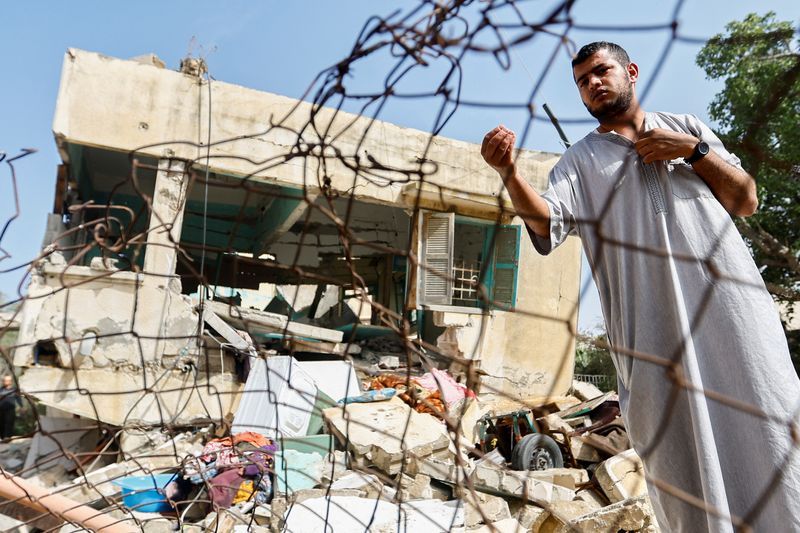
pixel 467 262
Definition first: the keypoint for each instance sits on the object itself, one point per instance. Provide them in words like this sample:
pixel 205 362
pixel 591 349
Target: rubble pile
pixel 377 462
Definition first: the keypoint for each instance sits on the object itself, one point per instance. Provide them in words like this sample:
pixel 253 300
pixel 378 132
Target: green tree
pixel 593 358
pixel 758 112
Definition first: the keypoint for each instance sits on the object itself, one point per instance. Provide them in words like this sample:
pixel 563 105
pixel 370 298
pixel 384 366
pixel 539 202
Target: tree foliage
pixel 592 357
pixel 758 112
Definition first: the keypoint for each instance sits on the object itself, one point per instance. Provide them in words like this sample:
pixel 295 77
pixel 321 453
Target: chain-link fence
pixel 257 313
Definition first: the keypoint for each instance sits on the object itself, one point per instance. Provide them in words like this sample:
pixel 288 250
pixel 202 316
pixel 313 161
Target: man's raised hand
pixel 664 145
pixel 497 150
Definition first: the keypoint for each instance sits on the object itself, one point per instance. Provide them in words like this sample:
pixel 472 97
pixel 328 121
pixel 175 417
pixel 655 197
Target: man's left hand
pixel 664 145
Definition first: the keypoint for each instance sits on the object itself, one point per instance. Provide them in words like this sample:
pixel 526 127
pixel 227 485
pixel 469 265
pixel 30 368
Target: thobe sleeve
pixel 560 200
pixel 700 130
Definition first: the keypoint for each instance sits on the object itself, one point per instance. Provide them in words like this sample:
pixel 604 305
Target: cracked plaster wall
pixel 91 322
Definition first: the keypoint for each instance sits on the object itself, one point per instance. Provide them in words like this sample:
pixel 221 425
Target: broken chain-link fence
pixel 257 312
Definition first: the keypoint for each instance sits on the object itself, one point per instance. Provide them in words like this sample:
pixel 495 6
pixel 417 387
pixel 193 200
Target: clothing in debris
pixel 237 468
pixel 224 488
pixel 629 216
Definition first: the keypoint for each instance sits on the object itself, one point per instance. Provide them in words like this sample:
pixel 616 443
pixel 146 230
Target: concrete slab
pixel 512 483
pixel 564 477
pixel 632 515
pixel 347 513
pixel 622 476
pixel 386 432
pixel 481 508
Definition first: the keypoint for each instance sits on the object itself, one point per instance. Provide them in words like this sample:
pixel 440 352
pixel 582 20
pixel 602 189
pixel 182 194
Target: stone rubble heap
pixel 379 466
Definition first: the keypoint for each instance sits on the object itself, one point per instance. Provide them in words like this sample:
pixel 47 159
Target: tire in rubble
pixel 536 452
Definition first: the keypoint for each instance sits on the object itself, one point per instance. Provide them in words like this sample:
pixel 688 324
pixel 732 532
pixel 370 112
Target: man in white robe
pixel 706 384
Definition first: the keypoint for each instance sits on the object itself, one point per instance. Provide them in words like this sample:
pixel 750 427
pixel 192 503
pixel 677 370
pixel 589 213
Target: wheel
pixel 536 452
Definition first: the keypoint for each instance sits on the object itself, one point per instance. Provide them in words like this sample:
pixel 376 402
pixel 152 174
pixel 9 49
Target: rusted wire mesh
pixel 177 274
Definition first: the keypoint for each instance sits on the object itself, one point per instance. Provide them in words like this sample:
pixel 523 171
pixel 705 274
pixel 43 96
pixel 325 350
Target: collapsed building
pixel 118 322
pixel 222 261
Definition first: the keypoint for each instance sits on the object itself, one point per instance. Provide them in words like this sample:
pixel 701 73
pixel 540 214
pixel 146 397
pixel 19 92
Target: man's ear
pixel 633 72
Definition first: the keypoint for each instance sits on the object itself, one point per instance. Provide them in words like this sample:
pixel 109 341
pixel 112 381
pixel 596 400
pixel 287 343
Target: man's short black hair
pixel 614 50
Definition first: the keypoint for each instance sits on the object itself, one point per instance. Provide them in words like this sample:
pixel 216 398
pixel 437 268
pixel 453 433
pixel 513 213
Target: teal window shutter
pixel 436 261
pixel 506 267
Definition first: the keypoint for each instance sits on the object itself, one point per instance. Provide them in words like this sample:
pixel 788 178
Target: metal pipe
pixel 26 493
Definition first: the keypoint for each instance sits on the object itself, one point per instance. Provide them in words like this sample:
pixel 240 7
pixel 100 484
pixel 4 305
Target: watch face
pixel 702 148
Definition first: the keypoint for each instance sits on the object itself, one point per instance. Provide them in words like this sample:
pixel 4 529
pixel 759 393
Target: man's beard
pixel 613 108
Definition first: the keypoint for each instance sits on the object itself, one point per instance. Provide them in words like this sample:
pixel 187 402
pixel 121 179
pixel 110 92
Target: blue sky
pixel 280 46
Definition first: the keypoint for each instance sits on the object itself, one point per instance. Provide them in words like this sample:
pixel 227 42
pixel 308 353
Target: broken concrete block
pixel 386 433
pixel 632 515
pixel 530 517
pixel 279 507
pixel 622 476
pixel 519 484
pixel 307 494
pixel 585 391
pixel 135 440
pixel 561 513
pixel 249 528
pixel 336 465
pixel 508 525
pixel 343 513
pixel 591 496
pixel 480 508
pixel 154 522
pixel 368 485
pixel 443 470
pixel 583 451
pixel 564 477
pixel 415 488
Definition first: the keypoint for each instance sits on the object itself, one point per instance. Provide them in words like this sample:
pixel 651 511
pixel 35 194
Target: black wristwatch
pixel 700 151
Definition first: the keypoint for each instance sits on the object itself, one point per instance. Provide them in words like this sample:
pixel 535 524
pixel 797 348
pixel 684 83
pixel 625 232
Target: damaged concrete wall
pixel 93 112
pixel 88 315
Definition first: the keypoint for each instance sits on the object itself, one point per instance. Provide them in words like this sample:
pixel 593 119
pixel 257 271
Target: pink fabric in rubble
pixel 440 380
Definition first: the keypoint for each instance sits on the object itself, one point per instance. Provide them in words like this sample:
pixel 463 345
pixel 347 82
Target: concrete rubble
pixel 387 463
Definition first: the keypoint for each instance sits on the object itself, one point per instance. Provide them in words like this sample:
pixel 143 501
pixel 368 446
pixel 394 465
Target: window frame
pixel 488 274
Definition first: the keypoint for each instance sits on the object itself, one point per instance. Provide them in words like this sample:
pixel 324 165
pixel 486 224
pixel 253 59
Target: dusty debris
pixel 563 512
pixel 585 391
pixel 291 460
pixel 530 517
pixel 565 477
pixel 385 433
pixel 480 508
pixel 622 476
pixel 13 453
pixel 507 525
pixel 518 484
pixel 346 513
pixel 633 515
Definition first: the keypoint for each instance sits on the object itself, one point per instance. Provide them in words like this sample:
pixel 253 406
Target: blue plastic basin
pixel 140 493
